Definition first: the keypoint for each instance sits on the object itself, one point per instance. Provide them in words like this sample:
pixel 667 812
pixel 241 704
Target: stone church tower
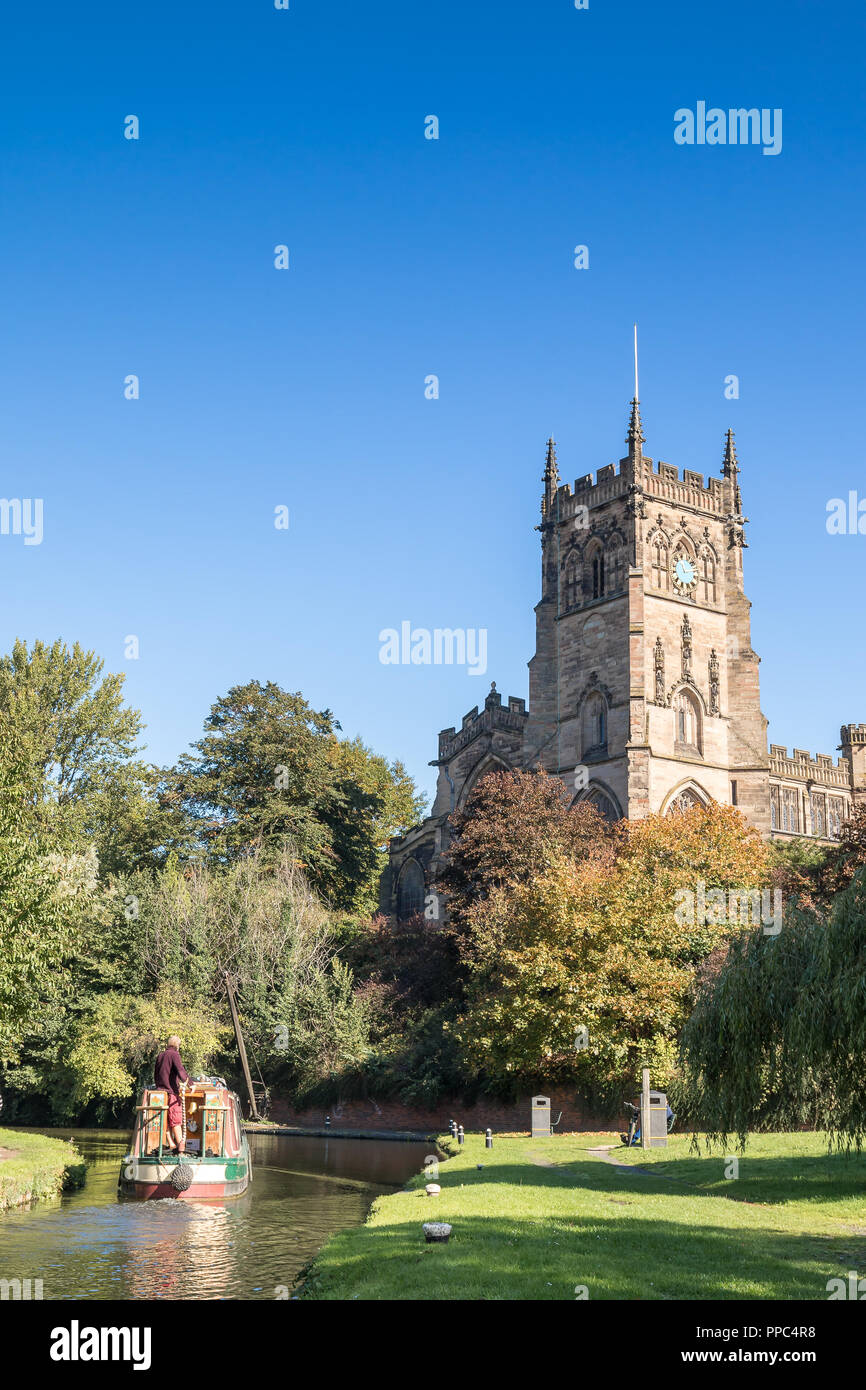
pixel 644 685
pixel 643 690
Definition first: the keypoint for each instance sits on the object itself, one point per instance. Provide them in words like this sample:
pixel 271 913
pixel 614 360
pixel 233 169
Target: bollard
pixel 488 1139
pixel 460 1135
pixel 452 1128
pixel 327 1122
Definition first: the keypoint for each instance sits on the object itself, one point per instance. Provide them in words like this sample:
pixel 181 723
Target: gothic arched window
pixel 684 801
pixel 595 724
pixel 687 721
pixel 603 804
pixel 660 576
pixel 615 568
pixel 595 572
pixel 571 587
pixel 410 890
pixel 707 577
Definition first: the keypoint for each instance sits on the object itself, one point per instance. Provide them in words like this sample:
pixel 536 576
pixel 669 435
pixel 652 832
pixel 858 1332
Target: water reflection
pixel 89 1245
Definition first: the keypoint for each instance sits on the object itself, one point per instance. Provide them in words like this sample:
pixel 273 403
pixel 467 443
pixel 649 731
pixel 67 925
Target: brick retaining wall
pixel 499 1116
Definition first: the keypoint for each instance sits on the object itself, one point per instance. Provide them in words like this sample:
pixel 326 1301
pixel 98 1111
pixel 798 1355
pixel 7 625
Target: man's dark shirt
pixel 169 1071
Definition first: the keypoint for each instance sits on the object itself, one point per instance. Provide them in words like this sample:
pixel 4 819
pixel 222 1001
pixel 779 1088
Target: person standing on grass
pixel 167 1074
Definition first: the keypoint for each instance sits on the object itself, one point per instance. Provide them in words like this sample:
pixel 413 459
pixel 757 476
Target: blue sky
pixel 411 257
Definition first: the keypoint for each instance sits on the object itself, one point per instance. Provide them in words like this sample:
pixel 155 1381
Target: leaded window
pixel 835 815
pixel 819 814
pixel 791 810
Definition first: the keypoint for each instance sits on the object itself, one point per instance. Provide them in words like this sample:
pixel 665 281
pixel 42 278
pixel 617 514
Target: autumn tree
pixel 847 856
pixel 512 825
pixel 585 970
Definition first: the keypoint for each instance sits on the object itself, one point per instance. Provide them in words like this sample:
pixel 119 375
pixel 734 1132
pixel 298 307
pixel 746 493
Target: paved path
pixel 607 1153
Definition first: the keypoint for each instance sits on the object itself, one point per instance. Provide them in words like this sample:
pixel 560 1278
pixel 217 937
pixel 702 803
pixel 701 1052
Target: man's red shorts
pixel 175 1111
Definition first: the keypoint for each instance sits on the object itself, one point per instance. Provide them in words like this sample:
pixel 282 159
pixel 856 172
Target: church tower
pixel 644 693
pixel 644 689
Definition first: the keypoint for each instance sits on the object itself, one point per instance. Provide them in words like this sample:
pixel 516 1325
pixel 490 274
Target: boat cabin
pixel 210 1121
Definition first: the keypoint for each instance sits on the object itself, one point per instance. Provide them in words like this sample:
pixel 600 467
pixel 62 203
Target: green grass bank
pixel 33 1167
pixel 548 1219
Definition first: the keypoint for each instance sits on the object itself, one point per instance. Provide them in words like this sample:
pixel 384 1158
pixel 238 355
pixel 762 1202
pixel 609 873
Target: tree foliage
pixel 777 1039
pixel 114 1045
pixel 511 826
pixel 75 742
pixel 270 772
pixel 847 856
pixel 43 899
pixel 585 970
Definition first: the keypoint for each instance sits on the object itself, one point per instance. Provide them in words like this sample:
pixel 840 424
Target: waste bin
pixel 540 1116
pixel 654 1124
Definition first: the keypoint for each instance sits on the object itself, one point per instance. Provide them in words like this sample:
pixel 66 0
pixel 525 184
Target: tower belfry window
pixel 708 578
pixel 598 575
pixel 659 564
pixel 571 592
pixel 615 568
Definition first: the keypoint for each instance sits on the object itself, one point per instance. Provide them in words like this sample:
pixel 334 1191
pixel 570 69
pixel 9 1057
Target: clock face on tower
pixel 684 575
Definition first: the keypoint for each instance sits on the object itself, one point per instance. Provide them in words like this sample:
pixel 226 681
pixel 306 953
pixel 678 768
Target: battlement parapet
pixel 800 766
pixel 592 489
pixel 665 483
pixel 495 715
pixel 852 734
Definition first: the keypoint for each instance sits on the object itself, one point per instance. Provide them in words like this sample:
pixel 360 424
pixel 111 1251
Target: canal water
pixel 89 1245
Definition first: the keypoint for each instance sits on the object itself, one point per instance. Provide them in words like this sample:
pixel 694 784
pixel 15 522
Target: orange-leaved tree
pixel 585 971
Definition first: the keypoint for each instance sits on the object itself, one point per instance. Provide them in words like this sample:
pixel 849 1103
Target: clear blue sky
pixel 410 257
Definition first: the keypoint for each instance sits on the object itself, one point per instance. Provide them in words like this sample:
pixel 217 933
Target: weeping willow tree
pixel 778 1039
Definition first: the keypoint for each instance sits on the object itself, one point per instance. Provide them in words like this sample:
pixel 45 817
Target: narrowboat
pixel 216 1161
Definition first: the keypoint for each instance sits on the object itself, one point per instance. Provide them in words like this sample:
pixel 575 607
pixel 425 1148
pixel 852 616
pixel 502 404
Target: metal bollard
pixel 327 1122
pixel 488 1139
pixel 452 1128
pixel 460 1135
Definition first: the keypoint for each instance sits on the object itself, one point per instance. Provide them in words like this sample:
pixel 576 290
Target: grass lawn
pixel 33 1167
pixel 545 1215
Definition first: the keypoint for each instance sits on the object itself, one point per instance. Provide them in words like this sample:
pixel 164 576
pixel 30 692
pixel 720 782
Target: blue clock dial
pixel 685 571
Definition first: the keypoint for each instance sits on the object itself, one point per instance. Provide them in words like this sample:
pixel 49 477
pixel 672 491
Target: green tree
pixel 43 900
pixel 777 1039
pixel 270 772
pixel 75 742
pixel 324 1036
pixel 116 1041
